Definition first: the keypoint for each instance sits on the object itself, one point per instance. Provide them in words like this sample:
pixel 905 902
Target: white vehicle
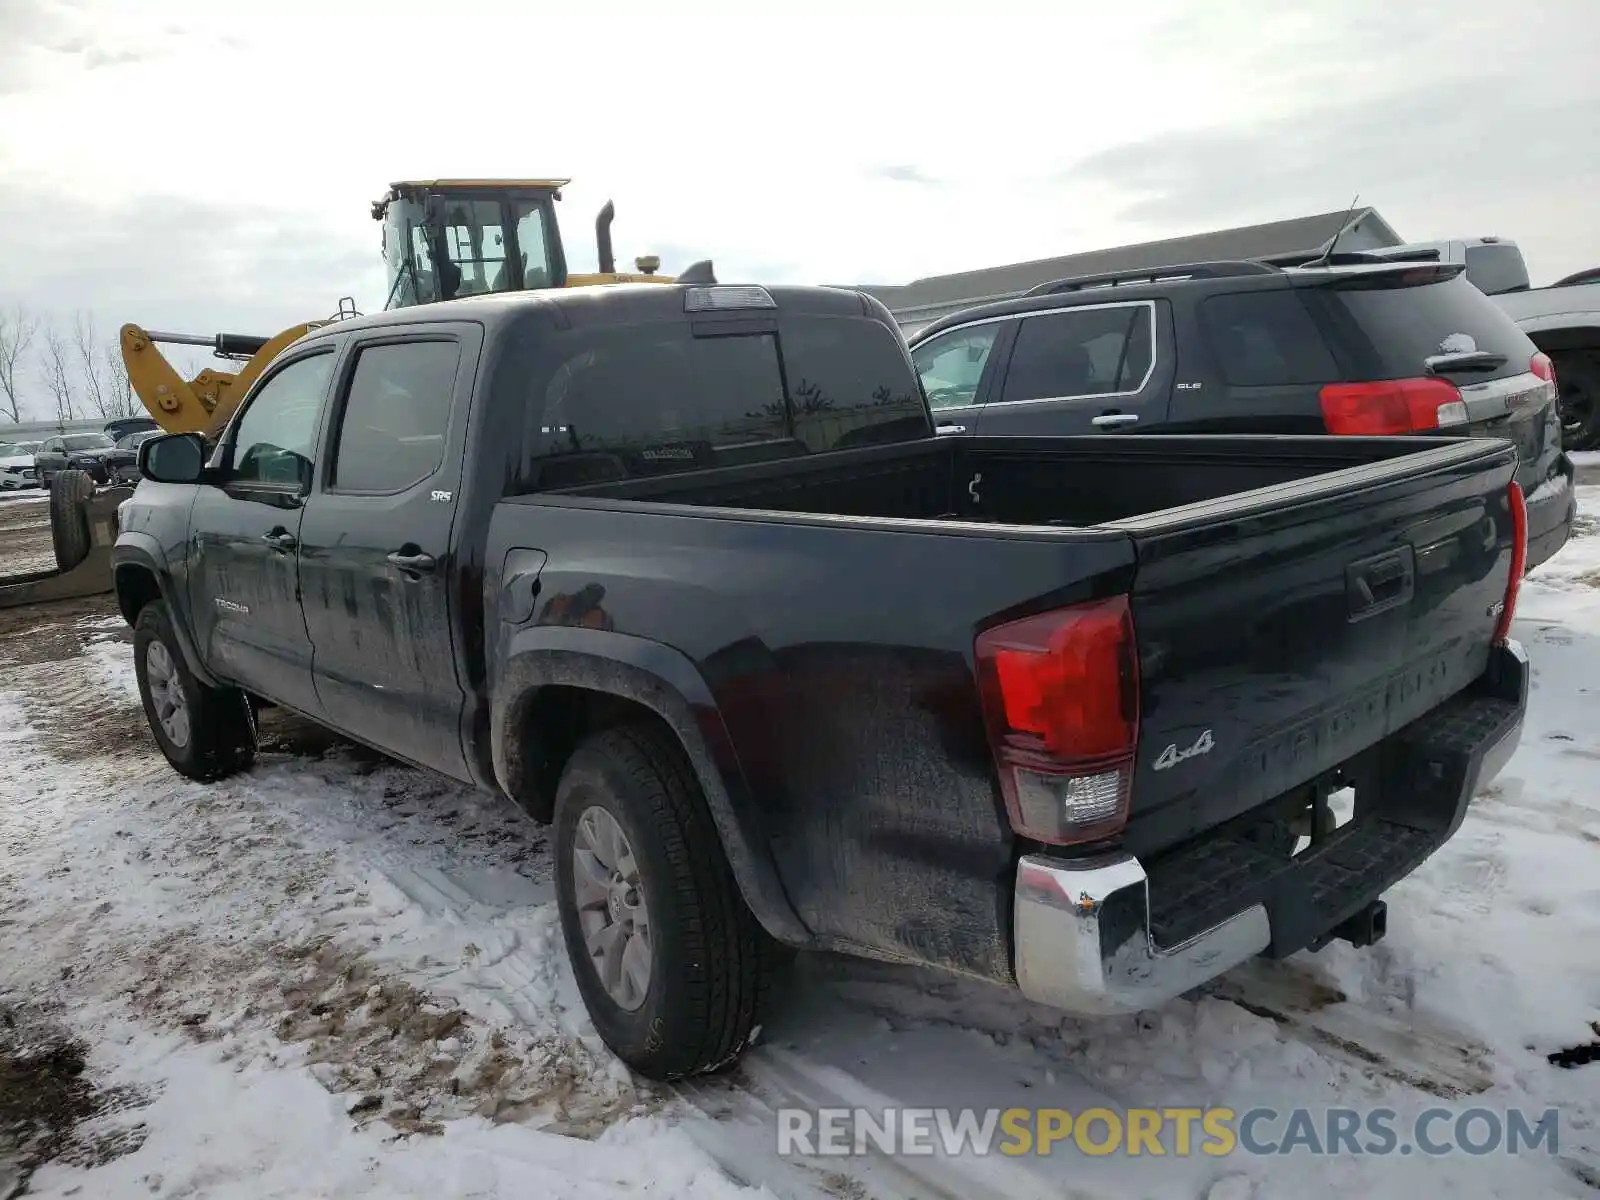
pixel 16 466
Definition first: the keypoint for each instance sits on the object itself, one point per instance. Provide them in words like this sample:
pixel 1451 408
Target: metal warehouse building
pixel 926 300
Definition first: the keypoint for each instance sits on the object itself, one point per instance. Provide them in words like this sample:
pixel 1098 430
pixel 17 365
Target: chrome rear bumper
pixel 1083 928
pixel 1083 939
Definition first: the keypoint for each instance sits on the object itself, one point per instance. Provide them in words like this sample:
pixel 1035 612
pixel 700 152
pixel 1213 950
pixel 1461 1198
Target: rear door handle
pixel 1112 420
pixel 943 429
pixel 280 540
pixel 413 564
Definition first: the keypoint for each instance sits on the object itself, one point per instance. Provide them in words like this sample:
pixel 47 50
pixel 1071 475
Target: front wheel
pixel 206 733
pixel 672 965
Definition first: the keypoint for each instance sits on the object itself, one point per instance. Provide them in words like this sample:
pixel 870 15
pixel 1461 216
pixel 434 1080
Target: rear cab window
pixel 1496 269
pixel 627 402
pixel 1386 324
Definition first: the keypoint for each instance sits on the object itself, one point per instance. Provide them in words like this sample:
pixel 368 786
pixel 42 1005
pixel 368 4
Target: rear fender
pixel 136 557
pixel 668 684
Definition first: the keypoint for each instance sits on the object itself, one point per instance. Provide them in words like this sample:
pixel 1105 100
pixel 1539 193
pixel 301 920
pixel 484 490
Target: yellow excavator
pixel 442 239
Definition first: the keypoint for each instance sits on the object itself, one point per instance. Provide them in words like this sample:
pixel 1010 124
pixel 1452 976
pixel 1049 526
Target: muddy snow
pixel 336 976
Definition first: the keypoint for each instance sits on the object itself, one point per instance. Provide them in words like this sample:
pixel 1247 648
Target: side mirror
pixel 174 458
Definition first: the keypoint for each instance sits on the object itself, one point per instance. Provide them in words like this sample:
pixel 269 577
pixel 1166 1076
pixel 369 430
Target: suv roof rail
pixel 1161 274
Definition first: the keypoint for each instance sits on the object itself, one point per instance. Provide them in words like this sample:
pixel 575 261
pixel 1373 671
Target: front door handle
pixel 1114 419
pixel 943 429
pixel 280 540
pixel 413 564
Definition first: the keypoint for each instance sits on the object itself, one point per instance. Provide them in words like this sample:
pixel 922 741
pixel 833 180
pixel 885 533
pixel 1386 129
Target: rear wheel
pixel 672 965
pixel 1578 376
pixel 204 732
pixel 69 517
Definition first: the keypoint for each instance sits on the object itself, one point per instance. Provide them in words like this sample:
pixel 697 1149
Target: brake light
pixel 1519 561
pixel 1541 366
pixel 1060 696
pixel 1390 406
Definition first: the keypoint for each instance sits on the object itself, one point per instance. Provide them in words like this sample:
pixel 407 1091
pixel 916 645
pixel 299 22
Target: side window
pixel 1081 352
pixel 534 247
pixel 273 441
pixel 951 365
pixel 392 429
pixel 1266 339
pixel 51 446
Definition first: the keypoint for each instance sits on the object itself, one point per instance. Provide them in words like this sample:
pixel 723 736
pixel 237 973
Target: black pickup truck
pixel 685 570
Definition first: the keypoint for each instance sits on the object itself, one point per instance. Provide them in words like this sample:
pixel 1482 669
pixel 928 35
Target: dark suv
pixel 1244 347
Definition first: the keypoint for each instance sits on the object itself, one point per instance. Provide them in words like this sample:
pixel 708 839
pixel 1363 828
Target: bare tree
pixel 119 388
pixel 59 373
pixel 87 346
pixel 17 328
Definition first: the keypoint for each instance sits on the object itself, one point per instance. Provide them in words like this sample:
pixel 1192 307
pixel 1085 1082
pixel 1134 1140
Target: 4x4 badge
pixel 1172 756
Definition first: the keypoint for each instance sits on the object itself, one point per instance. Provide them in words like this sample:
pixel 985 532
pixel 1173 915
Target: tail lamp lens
pixel 1061 700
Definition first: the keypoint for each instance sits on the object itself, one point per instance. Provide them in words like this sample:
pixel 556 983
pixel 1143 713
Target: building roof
pixel 930 297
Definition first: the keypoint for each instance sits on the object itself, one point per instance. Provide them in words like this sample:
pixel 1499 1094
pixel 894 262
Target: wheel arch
pixel 558 684
pixel 139 569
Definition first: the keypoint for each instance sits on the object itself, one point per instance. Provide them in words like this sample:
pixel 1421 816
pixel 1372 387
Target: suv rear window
pixel 1265 339
pixel 619 403
pixel 1385 325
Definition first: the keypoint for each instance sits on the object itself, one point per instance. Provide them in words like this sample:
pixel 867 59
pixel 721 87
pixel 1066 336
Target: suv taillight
pixel 1392 406
pixel 1541 366
pixel 1519 561
pixel 1060 698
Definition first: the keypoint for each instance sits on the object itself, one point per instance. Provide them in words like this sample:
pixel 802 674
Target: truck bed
pixel 830 604
pixel 1075 481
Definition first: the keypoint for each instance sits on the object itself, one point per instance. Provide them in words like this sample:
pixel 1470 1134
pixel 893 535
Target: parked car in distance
pixel 16 466
pixel 122 464
pixel 685 571
pixel 1247 347
pixel 84 452
pixel 119 427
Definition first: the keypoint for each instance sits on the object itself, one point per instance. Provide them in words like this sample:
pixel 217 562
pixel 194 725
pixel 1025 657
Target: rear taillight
pixel 1061 700
pixel 1519 561
pixel 1389 406
pixel 1545 370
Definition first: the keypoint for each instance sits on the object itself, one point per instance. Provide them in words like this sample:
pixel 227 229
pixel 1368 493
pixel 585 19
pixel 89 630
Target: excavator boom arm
pixel 202 404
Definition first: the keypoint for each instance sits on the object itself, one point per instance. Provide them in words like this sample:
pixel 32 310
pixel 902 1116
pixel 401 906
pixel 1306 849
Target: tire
pixel 218 737
pixel 1578 377
pixel 69 517
pixel 710 962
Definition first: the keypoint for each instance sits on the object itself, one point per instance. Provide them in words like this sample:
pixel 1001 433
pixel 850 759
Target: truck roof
pixel 609 304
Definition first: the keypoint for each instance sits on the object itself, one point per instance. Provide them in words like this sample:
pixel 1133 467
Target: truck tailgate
pixel 1282 631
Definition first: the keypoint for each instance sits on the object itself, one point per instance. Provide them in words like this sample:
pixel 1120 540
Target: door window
pixel 951 365
pixel 392 431
pixel 273 442
pixel 1098 351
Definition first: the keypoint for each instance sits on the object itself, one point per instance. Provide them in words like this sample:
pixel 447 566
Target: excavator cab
pixel 448 238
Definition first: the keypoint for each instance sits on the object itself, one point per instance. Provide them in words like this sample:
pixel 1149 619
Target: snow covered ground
pixel 335 976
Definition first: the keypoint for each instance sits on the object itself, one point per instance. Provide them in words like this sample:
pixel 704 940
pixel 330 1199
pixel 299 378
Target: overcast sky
pixel 208 164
